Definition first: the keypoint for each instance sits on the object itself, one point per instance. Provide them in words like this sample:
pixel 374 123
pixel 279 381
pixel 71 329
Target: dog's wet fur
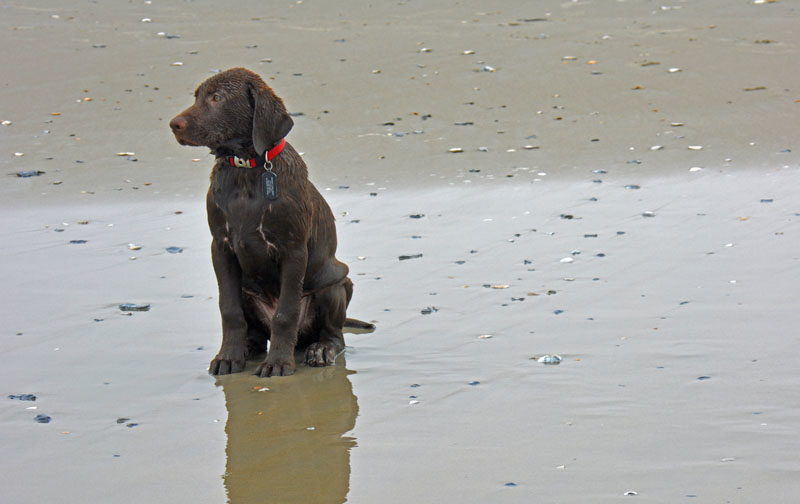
pixel 278 277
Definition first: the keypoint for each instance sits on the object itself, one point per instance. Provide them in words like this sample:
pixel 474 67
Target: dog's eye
pixel 216 97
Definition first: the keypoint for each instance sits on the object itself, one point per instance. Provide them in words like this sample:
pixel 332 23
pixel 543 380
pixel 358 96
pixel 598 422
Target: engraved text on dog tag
pixel 269 180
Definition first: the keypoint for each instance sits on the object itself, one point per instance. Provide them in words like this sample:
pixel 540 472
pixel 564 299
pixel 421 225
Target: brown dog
pixel 273 235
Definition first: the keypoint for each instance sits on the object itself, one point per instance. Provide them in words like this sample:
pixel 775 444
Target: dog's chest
pixel 251 225
pixel 257 251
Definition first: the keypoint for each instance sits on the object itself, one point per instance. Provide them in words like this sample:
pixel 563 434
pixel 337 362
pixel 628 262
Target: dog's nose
pixel 179 123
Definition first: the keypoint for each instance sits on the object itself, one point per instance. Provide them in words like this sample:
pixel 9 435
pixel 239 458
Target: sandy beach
pixel 614 183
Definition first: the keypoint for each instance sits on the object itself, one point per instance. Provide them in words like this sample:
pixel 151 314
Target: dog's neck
pixel 239 147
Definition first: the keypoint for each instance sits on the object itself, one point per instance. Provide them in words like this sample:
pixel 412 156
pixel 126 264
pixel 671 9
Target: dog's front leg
pixel 285 322
pixel 232 353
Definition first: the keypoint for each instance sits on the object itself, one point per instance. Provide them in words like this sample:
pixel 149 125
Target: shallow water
pixel 704 289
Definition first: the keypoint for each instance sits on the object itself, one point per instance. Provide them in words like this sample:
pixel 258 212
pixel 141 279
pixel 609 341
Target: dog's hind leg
pixel 331 306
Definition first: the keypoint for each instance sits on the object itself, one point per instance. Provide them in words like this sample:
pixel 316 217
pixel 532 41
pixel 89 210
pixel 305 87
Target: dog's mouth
pixel 184 141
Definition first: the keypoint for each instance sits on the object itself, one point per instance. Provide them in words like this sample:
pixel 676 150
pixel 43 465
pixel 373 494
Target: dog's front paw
pixel 323 353
pixel 276 365
pixel 227 362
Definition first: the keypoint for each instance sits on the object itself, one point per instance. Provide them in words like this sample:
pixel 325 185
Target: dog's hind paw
pixel 323 353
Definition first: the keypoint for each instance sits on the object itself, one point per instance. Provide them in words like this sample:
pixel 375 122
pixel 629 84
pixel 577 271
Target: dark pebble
pixel 23 397
pixel 429 310
pixel 558 312
pixel 129 307
pixel 174 250
pixel 632 186
pixel 464 123
pixel 473 383
pixel 29 173
pixel 42 418
pixel 131 425
pixel 417 216
pixel 703 378
pixel 567 216
pixel 414 385
pixel 122 420
pixel 510 484
pixel 766 200
pixel 592 235
pixel 77 242
pixel 409 256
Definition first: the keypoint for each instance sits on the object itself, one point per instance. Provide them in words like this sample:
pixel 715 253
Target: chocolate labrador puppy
pixel 273 235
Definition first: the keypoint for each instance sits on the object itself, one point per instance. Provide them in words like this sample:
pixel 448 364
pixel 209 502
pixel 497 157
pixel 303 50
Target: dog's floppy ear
pixel 271 122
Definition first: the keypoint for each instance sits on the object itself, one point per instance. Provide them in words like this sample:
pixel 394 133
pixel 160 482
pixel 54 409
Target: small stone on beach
pixel 23 397
pixel 29 173
pixel 409 256
pixel 549 359
pixel 131 307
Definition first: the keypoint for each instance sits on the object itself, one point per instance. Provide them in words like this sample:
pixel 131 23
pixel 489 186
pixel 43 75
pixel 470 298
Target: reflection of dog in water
pixel 287 445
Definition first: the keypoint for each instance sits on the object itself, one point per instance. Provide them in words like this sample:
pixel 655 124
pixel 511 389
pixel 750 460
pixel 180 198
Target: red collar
pixel 260 160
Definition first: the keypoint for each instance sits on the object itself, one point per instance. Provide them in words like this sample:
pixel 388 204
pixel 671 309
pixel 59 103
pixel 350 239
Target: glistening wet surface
pixel 676 333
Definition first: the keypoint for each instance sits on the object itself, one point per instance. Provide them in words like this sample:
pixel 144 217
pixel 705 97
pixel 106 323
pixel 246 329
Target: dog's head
pixel 234 107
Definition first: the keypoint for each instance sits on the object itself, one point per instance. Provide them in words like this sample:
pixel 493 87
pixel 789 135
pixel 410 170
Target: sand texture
pixel 611 182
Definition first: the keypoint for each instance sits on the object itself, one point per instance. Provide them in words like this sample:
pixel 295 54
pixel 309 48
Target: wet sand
pixel 677 329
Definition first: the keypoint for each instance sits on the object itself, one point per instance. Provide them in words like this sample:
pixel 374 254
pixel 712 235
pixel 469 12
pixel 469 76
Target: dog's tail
pixel 352 323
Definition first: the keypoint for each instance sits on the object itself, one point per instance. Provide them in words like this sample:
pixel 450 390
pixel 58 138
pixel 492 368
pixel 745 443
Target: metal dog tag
pixel 269 180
